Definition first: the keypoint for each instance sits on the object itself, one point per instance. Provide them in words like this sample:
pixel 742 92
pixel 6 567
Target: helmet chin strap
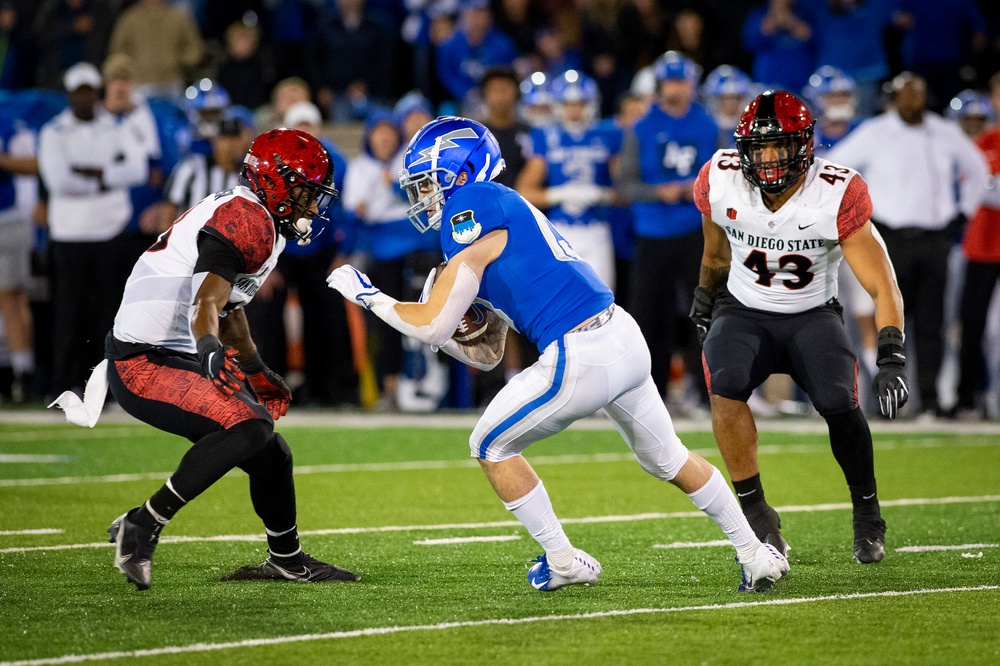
pixel 303 227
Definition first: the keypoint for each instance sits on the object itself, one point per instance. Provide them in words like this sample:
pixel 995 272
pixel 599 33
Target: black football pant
pixel 980 284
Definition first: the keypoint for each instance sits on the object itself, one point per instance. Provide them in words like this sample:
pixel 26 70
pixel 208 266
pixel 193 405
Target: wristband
pixel 890 347
pixel 208 343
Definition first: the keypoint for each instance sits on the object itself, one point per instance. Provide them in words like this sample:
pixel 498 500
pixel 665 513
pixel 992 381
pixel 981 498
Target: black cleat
pixel 766 524
pixel 305 568
pixel 869 540
pixel 134 547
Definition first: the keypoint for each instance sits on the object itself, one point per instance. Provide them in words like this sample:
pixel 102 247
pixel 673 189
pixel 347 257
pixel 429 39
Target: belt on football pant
pixel 599 320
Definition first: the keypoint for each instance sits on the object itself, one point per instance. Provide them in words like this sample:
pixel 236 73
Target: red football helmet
pixel 282 161
pixel 781 122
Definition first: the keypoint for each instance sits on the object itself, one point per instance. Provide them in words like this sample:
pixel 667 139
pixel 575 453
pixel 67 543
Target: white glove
pixel 354 285
pixel 425 293
pixel 575 198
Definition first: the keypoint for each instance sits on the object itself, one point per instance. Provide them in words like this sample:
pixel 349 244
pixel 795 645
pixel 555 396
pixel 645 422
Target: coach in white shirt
pixel 87 162
pixel 925 178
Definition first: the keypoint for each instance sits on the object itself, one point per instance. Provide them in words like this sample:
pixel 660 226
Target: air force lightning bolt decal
pixel 441 143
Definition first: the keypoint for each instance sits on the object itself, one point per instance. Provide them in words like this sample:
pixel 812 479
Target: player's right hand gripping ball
pixel 889 384
pixel 701 312
pixel 218 364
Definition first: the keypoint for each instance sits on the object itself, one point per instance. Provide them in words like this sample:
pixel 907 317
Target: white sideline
pixel 506 621
pixel 567 459
pixel 832 506
pixel 937 549
pixel 32 458
pixel 474 539
pixel 44 530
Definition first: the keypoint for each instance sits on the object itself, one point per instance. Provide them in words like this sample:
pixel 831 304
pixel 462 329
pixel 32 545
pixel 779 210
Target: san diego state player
pixel 777 222
pixel 181 357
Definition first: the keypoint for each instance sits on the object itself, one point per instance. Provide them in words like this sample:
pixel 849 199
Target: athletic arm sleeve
pixel 219 256
pixel 855 208
pixel 701 191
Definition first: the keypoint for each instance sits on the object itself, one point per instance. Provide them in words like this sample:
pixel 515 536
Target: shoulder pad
pixel 248 226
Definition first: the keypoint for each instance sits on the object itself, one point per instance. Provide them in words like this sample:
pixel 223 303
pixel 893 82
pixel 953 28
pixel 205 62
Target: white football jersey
pixel 159 296
pixel 783 261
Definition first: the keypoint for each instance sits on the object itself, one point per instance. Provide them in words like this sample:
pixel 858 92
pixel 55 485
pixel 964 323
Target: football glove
pixel 354 285
pixel 218 364
pixel 701 312
pixel 268 386
pixel 889 385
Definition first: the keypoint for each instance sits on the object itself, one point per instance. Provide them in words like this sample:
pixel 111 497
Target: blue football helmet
pixel 437 155
pixel 825 80
pixel 536 100
pixel 205 94
pixel 575 87
pixel 970 103
pixel 676 65
pixel 726 80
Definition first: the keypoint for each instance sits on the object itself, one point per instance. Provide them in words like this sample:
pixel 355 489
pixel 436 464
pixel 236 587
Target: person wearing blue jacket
pixel 475 47
pixel 659 161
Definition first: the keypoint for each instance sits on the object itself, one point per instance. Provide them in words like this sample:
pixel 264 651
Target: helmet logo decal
pixel 464 228
pixel 443 142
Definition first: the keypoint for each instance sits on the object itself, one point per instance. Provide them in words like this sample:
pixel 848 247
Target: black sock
pixel 749 491
pixel 865 501
pixel 851 442
pixel 284 544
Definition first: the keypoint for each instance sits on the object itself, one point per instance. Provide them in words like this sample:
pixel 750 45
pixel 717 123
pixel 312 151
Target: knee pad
pixel 250 436
pixel 732 383
pixel 663 462
pixel 279 451
pixel 833 400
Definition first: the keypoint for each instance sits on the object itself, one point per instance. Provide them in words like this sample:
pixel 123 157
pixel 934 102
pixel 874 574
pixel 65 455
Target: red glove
pixel 268 386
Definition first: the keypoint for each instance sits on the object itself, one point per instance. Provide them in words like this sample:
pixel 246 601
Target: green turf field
pixel 366 496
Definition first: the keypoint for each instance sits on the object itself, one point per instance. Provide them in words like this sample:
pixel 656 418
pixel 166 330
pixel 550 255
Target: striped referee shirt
pixel 194 178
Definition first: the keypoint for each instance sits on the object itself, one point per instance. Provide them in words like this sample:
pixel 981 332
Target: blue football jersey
pixel 7 192
pixel 671 150
pixel 537 283
pixel 579 159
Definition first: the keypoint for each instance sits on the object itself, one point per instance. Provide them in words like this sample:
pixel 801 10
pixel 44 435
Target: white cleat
pixel 764 570
pixel 584 570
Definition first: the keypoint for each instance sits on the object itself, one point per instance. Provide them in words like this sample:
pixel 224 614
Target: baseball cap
pixel 302 112
pixel 81 74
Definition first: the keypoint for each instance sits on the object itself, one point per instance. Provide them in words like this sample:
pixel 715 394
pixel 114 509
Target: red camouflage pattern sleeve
pixel 248 226
pixel 701 190
pixel 855 208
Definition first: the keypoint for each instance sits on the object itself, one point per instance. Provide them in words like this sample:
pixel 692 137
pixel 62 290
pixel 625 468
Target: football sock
pixel 272 492
pixel 534 510
pixel 865 500
pixel 715 499
pixel 283 544
pixel 749 491
pixel 851 442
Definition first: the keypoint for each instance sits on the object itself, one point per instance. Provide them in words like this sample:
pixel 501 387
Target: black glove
pixel 218 363
pixel 268 386
pixel 890 381
pixel 701 312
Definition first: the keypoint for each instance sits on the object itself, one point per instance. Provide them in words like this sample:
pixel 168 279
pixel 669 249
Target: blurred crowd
pixel 116 116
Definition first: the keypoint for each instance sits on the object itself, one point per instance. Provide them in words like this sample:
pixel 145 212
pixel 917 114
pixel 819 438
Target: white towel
pixel 86 412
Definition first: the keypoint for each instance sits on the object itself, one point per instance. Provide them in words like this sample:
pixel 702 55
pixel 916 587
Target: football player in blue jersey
pixel 503 254
pixel 536 100
pixel 569 172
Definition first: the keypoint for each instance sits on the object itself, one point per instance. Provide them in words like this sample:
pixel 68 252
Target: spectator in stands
pixel 205 101
pixel 16 58
pixel 132 111
pixel 15 252
pixel 501 94
pixel 849 34
pixel 412 112
pixel 552 55
pixel 286 94
pixel 644 26
pixel 67 32
pixel 781 42
pixel 288 23
pixel 330 377
pixel 163 42
pixel 476 46
pixel 520 20
pixel 428 24
pixel 244 71
pixel 659 161
pixel 349 60
pixel 386 233
pixel 942 38
pixel 981 247
pixel 87 162
pixel 914 161
pixel 599 41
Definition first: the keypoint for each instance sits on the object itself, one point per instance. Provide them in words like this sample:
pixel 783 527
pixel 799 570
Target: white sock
pixel 716 500
pixel 534 510
pixel 22 362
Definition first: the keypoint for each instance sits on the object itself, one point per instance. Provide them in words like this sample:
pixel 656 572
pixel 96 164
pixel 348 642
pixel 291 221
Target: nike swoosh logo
pixel 745 494
pixel 868 497
pixel 366 285
pixel 805 227
pixel 539 586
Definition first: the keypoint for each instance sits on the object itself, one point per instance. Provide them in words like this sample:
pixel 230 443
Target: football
pixel 472 325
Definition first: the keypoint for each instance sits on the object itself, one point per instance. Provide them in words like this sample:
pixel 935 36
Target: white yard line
pixel 833 506
pixel 506 621
pixel 474 539
pixel 44 530
pixel 938 549
pixel 32 458
pixel 567 459
pixel 693 544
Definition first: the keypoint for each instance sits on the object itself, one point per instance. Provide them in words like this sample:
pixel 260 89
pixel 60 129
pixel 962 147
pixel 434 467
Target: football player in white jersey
pixel 180 356
pixel 777 222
